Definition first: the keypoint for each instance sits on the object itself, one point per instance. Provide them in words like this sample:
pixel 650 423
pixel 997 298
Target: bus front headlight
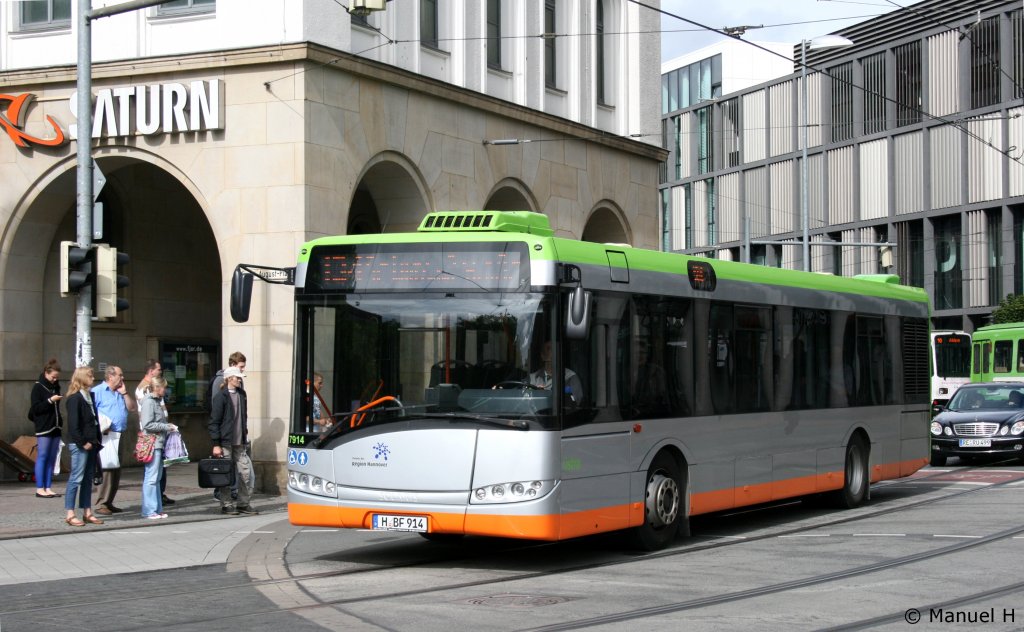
pixel 514 492
pixel 311 484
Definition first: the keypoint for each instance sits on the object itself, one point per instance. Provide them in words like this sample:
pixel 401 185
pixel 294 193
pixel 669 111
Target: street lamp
pixel 818 43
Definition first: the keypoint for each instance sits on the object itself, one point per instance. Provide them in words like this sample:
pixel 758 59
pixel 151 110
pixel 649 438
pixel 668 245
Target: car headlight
pixel 1017 428
pixel 948 431
pixel 311 484
pixel 513 492
pixel 936 428
pixel 1004 430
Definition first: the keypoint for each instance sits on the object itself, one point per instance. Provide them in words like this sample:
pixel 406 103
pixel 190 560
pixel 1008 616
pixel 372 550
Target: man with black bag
pixel 228 432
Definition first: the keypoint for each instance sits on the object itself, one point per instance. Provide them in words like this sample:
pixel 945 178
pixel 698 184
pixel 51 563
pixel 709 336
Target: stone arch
pixel 153 213
pixel 607 224
pixel 391 196
pixel 511 195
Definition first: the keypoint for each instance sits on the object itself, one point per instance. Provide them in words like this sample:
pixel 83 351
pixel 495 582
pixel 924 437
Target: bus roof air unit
pixel 487 221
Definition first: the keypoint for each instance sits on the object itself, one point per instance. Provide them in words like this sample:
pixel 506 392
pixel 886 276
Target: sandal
pixel 93 520
pixel 74 522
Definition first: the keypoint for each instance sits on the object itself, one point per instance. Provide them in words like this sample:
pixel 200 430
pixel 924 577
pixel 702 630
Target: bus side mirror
pixel 577 322
pixel 241 295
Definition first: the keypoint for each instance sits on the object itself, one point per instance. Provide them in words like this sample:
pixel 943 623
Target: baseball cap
pixel 233 371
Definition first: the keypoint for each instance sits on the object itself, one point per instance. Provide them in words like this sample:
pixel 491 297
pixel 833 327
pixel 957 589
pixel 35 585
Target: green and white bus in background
pixel 998 353
pixel 485 377
pixel 951 364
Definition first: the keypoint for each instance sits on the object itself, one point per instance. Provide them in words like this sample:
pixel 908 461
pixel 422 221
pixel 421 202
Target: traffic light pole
pixel 83 308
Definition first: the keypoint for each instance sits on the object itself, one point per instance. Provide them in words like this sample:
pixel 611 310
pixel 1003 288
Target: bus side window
pixel 1002 358
pixel 1020 356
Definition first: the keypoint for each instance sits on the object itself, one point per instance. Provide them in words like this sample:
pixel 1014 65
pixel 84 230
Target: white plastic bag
pixel 109 457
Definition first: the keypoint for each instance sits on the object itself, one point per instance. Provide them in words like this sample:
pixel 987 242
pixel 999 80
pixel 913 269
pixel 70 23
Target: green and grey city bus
pixel 483 376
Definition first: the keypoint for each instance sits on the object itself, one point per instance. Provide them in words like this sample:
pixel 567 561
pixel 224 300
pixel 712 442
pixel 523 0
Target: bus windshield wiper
pixel 518 424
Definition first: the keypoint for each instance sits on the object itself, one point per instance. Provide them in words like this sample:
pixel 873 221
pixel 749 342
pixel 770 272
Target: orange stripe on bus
pixel 604 519
pixel 719 499
pixel 551 527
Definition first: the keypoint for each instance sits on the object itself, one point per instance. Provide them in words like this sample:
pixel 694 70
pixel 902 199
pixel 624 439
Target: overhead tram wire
pixel 951 122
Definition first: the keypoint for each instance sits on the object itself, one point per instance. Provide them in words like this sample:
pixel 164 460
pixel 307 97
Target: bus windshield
pixel 952 356
pixel 461 356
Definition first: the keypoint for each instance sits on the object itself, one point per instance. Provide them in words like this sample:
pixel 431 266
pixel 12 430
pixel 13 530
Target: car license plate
pixel 975 443
pixel 388 522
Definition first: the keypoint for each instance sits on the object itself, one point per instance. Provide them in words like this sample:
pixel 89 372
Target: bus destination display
pixel 383 267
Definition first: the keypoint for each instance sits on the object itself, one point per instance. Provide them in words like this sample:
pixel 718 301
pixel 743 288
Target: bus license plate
pixel 387 522
pixel 975 443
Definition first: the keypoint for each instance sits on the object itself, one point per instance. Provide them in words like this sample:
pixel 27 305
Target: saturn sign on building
pixel 226 137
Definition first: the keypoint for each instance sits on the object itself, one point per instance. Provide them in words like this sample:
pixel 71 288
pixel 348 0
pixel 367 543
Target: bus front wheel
pixel 856 476
pixel 663 505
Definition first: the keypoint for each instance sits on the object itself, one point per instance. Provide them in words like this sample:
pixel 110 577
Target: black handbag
pixel 216 473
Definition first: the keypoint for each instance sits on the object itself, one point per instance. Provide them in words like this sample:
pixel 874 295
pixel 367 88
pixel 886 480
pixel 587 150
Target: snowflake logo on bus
pixel 381 451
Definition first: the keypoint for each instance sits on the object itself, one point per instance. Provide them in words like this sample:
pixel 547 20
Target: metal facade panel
pixel 820 261
pixel 700 214
pixel 840 186
pixel 678 218
pixel 868 255
pixel 984 159
pixel 1017 140
pixel 792 255
pixel 814 111
pixel 756 186
pixel 945 166
pixel 976 245
pixel 784 199
pixel 909 161
pixel 753 127
pixel 816 190
pixel 781 111
pixel 849 253
pixel 874 179
pixel 943 74
pixel 730 216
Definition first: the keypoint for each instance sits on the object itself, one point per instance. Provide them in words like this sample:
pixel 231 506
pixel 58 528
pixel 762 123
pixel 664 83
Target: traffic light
pixel 106 304
pixel 77 265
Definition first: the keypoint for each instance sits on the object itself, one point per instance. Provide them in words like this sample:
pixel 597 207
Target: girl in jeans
pixel 84 432
pixel 153 420
pixel 48 422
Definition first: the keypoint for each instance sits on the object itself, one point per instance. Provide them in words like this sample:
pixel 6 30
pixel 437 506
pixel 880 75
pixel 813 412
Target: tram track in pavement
pixel 804 582
pixel 678 551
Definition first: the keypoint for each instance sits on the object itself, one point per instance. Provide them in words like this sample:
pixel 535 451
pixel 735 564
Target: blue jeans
pixel 80 482
pixel 152 503
pixel 46 456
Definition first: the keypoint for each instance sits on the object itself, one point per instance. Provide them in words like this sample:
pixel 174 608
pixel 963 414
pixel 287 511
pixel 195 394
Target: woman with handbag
pixel 84 445
pixel 45 414
pixel 153 421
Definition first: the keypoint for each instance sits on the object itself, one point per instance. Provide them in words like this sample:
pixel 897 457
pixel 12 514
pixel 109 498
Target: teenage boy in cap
pixel 229 431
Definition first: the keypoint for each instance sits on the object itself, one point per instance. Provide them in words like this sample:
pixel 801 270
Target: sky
pixel 803 19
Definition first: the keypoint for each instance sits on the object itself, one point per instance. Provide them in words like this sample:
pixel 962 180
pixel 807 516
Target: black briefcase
pixel 216 473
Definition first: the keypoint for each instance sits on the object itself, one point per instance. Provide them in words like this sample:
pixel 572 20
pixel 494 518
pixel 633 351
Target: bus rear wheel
pixel 856 476
pixel 663 505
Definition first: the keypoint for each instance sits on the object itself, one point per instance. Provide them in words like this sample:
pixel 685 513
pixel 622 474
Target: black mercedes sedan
pixel 981 420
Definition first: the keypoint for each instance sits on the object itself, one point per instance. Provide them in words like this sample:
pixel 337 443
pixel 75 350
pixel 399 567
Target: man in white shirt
pixel 544 377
